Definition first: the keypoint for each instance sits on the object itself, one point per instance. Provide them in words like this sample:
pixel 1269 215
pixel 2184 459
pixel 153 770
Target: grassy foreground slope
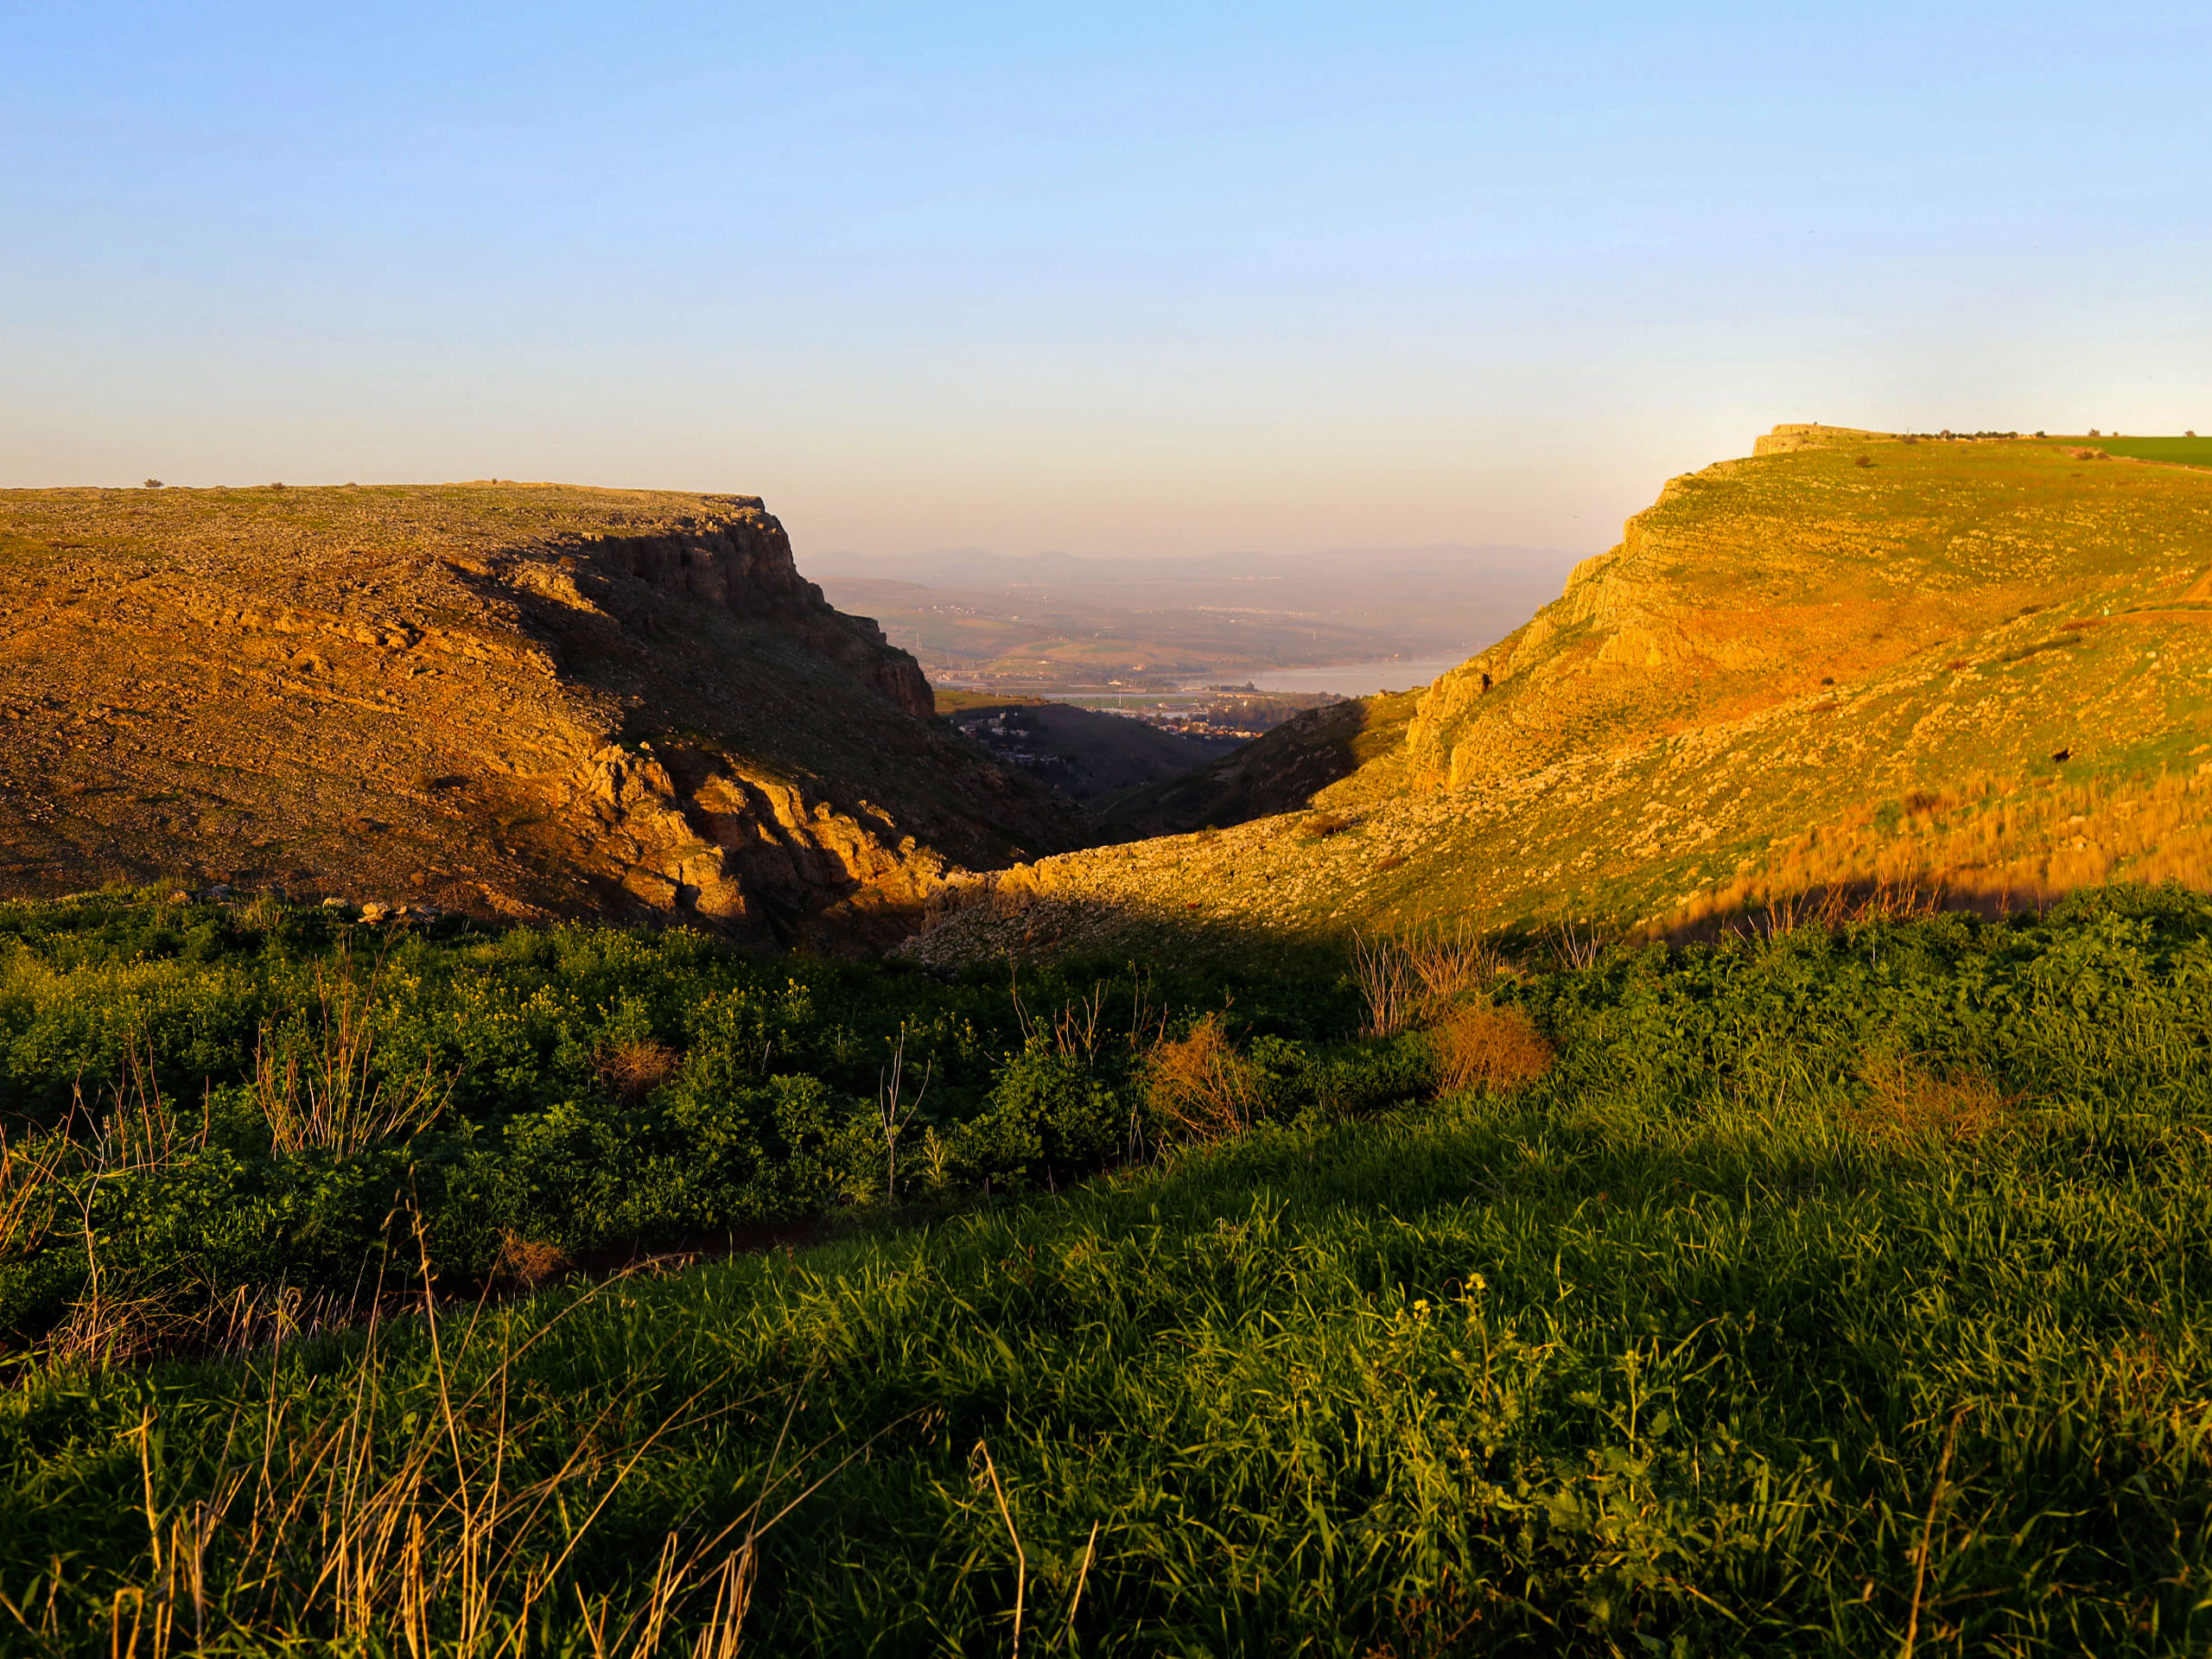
pixel 218 1123
pixel 1835 1293
pixel 1982 667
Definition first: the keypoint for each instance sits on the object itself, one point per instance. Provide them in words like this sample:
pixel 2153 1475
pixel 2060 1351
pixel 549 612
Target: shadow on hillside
pixel 1279 773
pixel 1007 923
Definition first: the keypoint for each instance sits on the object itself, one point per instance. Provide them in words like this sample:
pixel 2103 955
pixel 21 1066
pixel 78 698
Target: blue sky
pixel 1137 278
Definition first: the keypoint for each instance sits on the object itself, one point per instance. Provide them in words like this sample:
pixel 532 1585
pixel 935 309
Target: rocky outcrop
pixel 1788 439
pixel 517 701
pixel 736 556
pixel 754 855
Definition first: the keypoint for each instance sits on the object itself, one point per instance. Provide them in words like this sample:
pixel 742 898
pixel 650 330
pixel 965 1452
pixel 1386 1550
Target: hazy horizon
pixel 1136 282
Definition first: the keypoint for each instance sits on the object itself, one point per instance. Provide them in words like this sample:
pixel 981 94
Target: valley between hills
pixel 1972 668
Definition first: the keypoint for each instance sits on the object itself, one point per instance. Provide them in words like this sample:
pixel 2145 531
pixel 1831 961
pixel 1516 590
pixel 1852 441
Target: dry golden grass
pixel 530 1263
pixel 634 1070
pixel 1406 979
pixel 317 1090
pixel 1985 845
pixel 1482 1047
pixel 29 1185
pixel 340 1524
pixel 1389 985
pixel 1906 1104
pixel 48 1188
pixel 325 1093
pixel 1450 961
pixel 1200 1084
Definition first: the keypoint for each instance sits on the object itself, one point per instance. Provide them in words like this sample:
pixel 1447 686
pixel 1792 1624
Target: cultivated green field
pixel 2185 452
pixel 1836 1292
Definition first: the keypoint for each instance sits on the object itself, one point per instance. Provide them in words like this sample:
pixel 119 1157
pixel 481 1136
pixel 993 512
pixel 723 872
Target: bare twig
pixel 894 1114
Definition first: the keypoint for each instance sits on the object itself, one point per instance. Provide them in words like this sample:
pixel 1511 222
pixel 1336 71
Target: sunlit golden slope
pixel 511 700
pixel 1984 666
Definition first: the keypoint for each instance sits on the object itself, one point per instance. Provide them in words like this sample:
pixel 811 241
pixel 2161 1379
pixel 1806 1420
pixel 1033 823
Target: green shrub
pixel 1051 1115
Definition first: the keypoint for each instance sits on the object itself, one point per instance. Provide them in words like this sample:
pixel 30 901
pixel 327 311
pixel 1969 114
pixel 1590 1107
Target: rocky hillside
pixel 521 700
pixel 1852 660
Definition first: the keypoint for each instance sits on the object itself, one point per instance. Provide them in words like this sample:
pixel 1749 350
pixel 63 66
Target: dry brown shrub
pixel 634 1070
pixel 1447 964
pixel 1320 825
pixel 1907 1105
pixel 1479 1045
pixel 1201 1084
pixel 529 1262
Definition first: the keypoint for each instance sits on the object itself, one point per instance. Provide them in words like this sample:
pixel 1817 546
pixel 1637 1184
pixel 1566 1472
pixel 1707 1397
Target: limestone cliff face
pixel 738 557
pixel 523 701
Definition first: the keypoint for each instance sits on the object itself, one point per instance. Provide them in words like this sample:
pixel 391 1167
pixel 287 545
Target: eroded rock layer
pixel 521 700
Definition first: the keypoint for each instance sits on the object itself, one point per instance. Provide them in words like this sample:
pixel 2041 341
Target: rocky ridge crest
pixel 528 700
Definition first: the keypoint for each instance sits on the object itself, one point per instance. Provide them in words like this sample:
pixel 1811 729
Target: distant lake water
pixel 1350 679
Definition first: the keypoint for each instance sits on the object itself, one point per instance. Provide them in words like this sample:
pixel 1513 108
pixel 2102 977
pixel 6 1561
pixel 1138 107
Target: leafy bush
pixel 607 1092
pixel 204 1104
pixel 1050 1114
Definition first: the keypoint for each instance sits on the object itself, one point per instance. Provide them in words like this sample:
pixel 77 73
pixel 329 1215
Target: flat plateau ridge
pixel 527 701
pixel 1855 660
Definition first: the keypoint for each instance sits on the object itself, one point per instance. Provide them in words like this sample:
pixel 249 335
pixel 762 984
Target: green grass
pixel 961 702
pixel 1839 1293
pixel 2182 452
pixel 197 1101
